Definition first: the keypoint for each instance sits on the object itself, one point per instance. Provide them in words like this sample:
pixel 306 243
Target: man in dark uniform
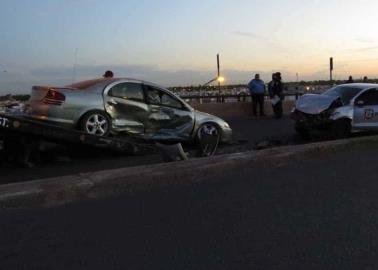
pixel 276 88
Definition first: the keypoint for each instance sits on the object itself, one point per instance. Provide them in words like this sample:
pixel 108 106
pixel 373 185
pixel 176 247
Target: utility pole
pixel 330 69
pixel 297 87
pixel 218 67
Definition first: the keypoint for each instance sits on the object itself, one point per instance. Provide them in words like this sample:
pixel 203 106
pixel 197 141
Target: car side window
pixel 128 91
pixel 170 101
pixel 158 97
pixel 153 95
pixel 370 97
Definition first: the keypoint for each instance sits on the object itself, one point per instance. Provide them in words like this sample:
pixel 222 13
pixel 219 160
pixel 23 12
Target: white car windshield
pixel 346 93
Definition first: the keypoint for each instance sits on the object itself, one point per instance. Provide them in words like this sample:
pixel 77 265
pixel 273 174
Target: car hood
pixel 314 104
pixel 202 117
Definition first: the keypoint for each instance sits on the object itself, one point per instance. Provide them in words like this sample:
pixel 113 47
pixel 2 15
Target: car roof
pixel 105 81
pixel 362 86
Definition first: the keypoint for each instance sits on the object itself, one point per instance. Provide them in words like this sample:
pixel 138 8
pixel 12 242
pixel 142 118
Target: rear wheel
pixel 96 123
pixel 341 129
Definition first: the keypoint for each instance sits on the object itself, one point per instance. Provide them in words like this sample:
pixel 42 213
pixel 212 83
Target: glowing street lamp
pixel 219 79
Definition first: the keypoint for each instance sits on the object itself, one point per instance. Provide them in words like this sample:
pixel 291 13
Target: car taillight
pixel 54 97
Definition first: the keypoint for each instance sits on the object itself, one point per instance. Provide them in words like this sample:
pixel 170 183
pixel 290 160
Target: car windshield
pixel 346 93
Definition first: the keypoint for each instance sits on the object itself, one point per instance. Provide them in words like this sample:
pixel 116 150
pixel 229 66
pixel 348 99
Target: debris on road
pixel 269 143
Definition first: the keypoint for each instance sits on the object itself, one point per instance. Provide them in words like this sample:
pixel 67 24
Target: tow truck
pixel 21 137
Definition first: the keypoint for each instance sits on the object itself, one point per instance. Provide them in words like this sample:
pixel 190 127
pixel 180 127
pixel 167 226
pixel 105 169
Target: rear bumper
pixel 58 114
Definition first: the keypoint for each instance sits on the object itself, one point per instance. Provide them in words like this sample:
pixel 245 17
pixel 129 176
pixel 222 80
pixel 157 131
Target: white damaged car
pixel 339 110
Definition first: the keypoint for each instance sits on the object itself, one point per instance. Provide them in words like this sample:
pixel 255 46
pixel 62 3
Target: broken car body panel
pixel 342 112
pixel 224 128
pixel 142 112
pixel 313 103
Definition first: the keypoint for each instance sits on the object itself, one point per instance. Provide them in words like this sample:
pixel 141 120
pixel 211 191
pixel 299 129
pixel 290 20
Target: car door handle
pixel 112 102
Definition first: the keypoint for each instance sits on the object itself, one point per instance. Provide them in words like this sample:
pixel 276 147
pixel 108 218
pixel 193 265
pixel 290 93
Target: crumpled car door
pixel 125 103
pixel 169 119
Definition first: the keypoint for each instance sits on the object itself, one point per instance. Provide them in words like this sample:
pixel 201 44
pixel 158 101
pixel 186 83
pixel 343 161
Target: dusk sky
pixel 176 42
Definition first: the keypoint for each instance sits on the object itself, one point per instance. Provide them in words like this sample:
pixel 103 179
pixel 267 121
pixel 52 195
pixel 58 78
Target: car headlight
pixel 335 113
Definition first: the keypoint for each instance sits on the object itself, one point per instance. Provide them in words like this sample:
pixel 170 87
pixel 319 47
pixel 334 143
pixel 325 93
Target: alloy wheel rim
pixel 209 147
pixel 97 124
pixel 208 130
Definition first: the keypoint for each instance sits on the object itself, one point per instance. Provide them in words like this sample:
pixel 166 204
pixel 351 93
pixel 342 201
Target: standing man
pixel 276 88
pixel 257 89
pixel 350 80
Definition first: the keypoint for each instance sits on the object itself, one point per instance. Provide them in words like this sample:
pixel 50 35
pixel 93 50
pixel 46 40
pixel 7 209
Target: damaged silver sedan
pixel 113 106
pixel 340 110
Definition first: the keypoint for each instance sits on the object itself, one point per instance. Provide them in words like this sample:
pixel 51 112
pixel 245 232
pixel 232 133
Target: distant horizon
pixel 375 80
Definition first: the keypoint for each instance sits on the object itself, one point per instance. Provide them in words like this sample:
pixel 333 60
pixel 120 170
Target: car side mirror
pixel 360 103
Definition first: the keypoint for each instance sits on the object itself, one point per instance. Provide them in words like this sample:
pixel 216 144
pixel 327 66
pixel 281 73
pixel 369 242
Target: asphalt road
pixel 67 162
pixel 318 213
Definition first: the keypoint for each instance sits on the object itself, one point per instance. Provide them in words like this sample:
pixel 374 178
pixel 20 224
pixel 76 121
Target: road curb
pixel 63 190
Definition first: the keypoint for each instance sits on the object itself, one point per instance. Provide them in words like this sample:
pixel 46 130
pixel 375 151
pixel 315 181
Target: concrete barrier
pixel 237 109
pixel 63 190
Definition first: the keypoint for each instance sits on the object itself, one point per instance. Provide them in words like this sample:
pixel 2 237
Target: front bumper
pixel 305 120
pixel 226 135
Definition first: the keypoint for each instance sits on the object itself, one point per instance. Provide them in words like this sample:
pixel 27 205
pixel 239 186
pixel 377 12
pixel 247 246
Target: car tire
pixel 207 139
pixel 96 123
pixel 341 129
pixel 303 132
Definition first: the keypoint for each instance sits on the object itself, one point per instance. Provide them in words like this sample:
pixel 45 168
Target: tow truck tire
pixel 96 123
pixel 341 129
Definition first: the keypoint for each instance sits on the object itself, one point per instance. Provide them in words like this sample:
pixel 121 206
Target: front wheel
pixel 96 123
pixel 303 132
pixel 341 129
pixel 208 138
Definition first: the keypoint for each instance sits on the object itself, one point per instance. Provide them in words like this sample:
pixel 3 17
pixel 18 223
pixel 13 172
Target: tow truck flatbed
pixel 21 134
pixel 18 125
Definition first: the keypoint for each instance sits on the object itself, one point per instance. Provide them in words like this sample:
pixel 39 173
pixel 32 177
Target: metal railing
pixel 230 98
